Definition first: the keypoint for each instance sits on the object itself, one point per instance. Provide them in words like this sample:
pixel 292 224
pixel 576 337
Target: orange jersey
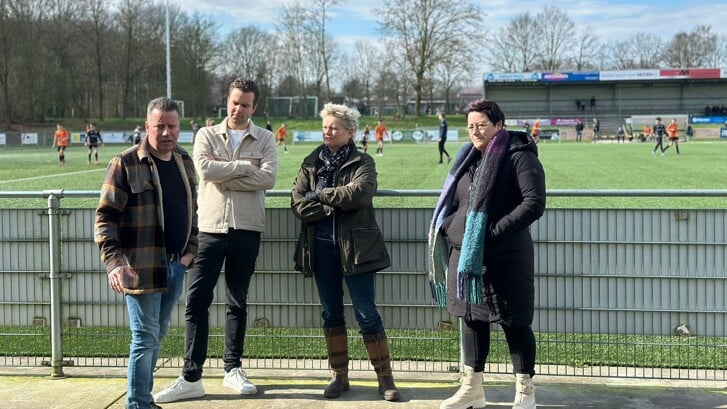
pixel 379 131
pixel 536 129
pixel 62 137
pixel 672 130
pixel 647 130
pixel 280 134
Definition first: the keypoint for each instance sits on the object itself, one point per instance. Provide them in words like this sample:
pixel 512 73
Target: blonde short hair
pixel 348 115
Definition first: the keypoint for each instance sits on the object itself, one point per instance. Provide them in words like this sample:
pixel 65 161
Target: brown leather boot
pixel 377 346
pixel 337 346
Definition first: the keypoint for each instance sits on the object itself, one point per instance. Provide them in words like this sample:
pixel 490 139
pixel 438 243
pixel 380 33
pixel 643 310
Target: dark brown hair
pixel 489 108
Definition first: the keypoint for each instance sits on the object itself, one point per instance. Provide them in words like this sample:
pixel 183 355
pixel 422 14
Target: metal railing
pixel 601 281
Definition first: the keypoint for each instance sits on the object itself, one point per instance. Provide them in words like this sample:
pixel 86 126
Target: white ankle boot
pixel 524 392
pixel 470 394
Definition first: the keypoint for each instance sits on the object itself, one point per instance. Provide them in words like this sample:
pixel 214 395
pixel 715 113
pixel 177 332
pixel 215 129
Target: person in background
pixel 659 131
pixel 481 254
pixel 137 135
pixel 340 241
pixel 209 122
pixel 535 132
pixel 379 132
pixel 579 130
pixel 596 130
pixel 268 126
pixel 195 129
pixel 443 137
pixel 620 135
pixel 365 139
pixel 93 138
pixel 147 238
pixel 672 131
pixel 60 142
pixel 280 136
pixel 237 162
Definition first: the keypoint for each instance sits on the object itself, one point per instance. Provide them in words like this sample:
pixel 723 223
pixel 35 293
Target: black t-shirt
pixel 93 137
pixel 175 205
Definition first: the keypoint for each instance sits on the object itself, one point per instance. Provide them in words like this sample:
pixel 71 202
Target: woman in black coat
pixel 481 252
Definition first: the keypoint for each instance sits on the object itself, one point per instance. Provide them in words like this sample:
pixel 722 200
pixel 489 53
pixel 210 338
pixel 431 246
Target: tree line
pixel 107 58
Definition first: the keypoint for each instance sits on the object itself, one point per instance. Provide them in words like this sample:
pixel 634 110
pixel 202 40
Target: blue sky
pixel 612 19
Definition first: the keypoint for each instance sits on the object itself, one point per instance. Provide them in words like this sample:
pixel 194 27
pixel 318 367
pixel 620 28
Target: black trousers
pixel 520 342
pixel 238 249
pixel 442 150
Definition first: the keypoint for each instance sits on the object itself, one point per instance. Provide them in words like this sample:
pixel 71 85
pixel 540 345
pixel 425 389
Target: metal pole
pixel 169 55
pixel 56 316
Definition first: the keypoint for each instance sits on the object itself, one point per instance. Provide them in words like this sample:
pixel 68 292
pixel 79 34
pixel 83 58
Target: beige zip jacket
pixel 232 186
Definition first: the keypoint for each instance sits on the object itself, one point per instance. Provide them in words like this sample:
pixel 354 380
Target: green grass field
pixel 701 165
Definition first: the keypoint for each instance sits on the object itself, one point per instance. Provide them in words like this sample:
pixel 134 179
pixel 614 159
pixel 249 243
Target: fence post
pixel 56 316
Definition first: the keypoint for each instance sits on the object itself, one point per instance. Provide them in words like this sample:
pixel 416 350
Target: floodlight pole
pixel 169 55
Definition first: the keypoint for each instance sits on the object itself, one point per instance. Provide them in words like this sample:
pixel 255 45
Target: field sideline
pixel 701 165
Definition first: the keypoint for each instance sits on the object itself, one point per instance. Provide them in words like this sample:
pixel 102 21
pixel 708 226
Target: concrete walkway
pixel 104 388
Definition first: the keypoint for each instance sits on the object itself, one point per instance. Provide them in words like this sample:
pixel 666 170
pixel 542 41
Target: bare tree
pixel 587 49
pixel 643 50
pixel 452 72
pixel 689 50
pixel 719 57
pixel 517 50
pixel 424 29
pixel 324 48
pixel 557 36
pixel 96 29
pixel 194 51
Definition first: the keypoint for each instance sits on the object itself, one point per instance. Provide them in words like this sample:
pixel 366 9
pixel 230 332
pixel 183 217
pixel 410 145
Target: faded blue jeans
pixel 149 316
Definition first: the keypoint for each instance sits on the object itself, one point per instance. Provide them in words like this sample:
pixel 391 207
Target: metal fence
pixel 619 292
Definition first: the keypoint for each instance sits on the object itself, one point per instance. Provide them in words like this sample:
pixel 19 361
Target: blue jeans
pixel 149 316
pixel 329 280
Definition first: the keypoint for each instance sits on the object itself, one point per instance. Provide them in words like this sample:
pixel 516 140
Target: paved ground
pixel 104 388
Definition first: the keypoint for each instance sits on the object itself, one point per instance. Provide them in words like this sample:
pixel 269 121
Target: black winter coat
pixel 518 201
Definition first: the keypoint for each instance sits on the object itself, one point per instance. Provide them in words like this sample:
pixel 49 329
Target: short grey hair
pixel 348 115
pixel 163 104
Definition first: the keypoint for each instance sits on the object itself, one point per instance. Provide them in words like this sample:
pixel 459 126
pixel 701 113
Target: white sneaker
pixel 180 389
pixel 237 380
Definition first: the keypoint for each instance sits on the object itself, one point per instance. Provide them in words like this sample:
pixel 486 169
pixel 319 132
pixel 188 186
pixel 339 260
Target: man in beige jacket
pixel 236 162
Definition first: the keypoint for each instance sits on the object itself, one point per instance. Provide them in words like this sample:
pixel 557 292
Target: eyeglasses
pixel 480 127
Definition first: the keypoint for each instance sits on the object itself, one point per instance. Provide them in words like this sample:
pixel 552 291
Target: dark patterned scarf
pixel 331 162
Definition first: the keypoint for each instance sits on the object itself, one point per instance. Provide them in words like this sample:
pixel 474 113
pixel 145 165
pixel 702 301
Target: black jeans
pixel 238 249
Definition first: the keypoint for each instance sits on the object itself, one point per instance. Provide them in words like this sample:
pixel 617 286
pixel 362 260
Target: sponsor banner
pixel 722 133
pixel 543 122
pixel 627 75
pixel 2 139
pixel 404 135
pixel 691 73
pixel 184 137
pixel 570 76
pixel 29 138
pixel 512 76
pixel 78 137
pixel 708 120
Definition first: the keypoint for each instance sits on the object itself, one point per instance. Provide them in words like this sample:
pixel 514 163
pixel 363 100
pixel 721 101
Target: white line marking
pixel 53 176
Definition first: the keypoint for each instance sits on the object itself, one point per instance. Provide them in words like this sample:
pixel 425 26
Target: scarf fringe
pixel 469 288
pixel 439 293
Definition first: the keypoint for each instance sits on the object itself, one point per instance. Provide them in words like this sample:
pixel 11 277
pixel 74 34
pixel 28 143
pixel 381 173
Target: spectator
pixel 593 103
pixel 146 230
pixel 481 252
pixel 341 241
pixel 236 162
pixel 620 135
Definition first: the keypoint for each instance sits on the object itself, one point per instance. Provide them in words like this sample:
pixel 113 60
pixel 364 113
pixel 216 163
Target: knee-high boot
pixel 470 394
pixel 377 346
pixel 337 346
